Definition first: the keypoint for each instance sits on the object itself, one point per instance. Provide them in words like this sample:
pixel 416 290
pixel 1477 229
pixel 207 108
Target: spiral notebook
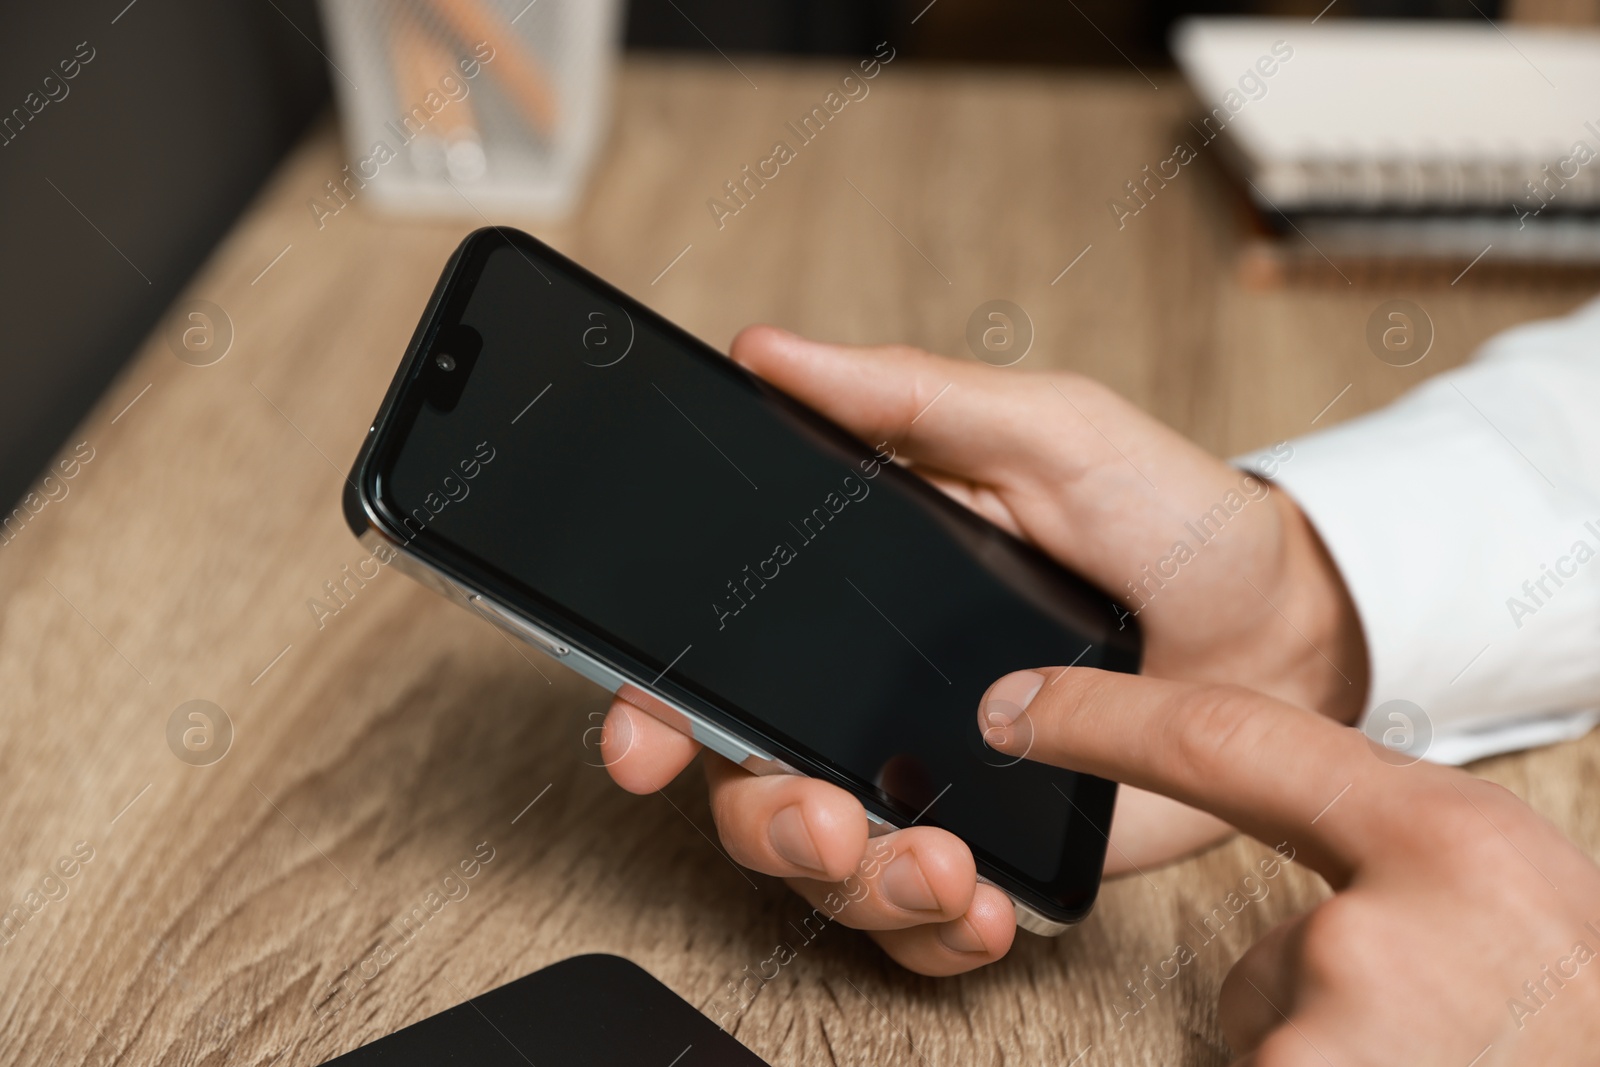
pixel 1392 115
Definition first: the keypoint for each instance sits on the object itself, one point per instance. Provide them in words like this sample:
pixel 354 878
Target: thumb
pixel 959 417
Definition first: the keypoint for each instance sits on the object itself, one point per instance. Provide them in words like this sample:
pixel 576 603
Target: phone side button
pixel 517 628
pixel 723 743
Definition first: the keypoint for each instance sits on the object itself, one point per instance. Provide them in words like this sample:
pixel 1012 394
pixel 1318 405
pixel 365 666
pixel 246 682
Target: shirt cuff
pixel 1465 520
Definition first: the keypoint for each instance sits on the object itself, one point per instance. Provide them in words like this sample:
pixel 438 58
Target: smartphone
pixel 629 501
pixel 587 1011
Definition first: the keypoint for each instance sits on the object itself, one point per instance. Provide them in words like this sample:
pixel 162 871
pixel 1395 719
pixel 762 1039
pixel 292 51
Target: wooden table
pixel 231 912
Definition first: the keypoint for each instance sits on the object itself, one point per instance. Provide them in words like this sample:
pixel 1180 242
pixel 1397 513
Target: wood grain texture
pixel 227 911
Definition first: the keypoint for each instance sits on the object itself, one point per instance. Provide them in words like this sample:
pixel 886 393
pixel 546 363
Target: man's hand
pixel 1464 929
pixel 1110 492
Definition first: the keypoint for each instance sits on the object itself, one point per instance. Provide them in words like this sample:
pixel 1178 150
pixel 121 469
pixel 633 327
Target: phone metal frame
pixel 362 516
pixel 707 733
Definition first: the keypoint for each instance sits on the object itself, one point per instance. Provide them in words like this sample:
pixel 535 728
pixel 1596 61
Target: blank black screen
pixel 646 499
pixel 587 1011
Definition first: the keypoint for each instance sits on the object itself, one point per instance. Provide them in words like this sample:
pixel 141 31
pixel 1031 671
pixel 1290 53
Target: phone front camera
pixel 445 361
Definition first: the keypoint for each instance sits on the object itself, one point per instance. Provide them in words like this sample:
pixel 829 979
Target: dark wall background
pixel 112 196
pixel 1035 32
pixel 159 141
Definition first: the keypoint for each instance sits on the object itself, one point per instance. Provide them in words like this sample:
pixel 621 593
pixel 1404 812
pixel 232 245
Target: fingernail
pixel 961 936
pixel 906 887
pixel 1005 703
pixel 792 840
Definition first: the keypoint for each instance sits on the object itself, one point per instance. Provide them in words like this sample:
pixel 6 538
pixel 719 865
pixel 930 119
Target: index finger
pixel 953 415
pixel 1274 770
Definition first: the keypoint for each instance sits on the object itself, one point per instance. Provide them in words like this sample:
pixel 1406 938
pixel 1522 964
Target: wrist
pixel 1329 669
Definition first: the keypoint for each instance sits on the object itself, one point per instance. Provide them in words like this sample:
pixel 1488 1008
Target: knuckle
pixel 733 814
pixel 1344 940
pixel 1492 797
pixel 1457 822
pixel 729 831
pixel 1213 727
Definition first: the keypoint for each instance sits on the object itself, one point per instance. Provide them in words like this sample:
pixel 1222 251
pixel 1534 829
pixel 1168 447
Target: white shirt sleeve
pixel 1465 518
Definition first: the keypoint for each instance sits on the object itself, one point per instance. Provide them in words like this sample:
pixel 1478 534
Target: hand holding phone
pixel 589 477
pixel 1063 462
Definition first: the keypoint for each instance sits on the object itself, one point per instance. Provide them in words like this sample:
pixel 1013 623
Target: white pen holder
pixel 470 107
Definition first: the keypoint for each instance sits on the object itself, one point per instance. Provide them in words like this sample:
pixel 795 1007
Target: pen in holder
pixel 466 107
